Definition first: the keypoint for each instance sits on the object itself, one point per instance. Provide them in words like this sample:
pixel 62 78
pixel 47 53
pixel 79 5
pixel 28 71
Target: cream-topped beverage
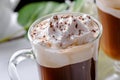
pixel 62 44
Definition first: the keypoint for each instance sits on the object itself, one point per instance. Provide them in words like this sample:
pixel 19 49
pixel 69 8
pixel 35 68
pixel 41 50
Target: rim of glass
pixel 59 13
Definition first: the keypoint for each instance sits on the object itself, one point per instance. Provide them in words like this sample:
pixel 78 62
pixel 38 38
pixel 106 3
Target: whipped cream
pixel 63 31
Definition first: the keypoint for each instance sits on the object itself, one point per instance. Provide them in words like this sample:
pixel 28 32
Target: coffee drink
pixel 109 13
pixel 66 46
pixel 80 71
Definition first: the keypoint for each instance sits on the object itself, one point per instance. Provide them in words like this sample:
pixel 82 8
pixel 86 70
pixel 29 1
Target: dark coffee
pixel 111 34
pixel 79 71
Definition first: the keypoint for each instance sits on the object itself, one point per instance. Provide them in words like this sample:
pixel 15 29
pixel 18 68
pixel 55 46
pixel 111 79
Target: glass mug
pixel 55 64
pixel 109 14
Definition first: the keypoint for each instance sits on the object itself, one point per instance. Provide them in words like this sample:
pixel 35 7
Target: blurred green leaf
pixel 78 5
pixel 31 12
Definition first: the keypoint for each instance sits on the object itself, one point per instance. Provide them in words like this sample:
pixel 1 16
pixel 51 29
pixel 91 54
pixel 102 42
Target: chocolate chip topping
pixel 51 24
pixel 53 29
pixel 93 30
pixel 79 32
pixel 83 19
pixel 55 17
pixel 74 20
pixel 76 26
pixel 89 17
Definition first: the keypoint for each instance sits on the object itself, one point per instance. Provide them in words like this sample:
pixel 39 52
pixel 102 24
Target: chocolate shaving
pixel 83 19
pixel 79 32
pixel 60 44
pixel 57 23
pixel 72 34
pixel 74 20
pixel 68 35
pixel 60 27
pixel 34 33
pixel 51 24
pixel 65 22
pixel 76 26
pixel 93 31
pixel 31 35
pixel 57 26
pixel 55 17
pixel 69 24
pixel 43 41
pixel 60 22
pixel 44 36
pixel 53 36
pixel 89 17
pixel 55 39
pixel 53 29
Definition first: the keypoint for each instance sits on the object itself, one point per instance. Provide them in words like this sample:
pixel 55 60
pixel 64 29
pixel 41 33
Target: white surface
pixel 6 15
pixel 26 69
pixel 14 29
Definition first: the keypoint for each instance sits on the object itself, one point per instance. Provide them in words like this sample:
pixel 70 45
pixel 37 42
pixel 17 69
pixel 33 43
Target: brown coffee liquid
pixel 79 71
pixel 111 34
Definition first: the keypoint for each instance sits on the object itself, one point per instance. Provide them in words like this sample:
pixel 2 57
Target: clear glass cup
pixel 74 63
pixel 109 14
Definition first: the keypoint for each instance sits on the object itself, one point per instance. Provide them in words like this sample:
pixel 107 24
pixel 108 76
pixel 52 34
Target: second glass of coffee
pixel 109 14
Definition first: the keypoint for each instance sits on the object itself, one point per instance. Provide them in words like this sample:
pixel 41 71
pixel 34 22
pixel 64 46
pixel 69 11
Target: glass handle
pixel 16 58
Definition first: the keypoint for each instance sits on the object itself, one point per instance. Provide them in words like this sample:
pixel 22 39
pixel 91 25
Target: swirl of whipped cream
pixel 63 31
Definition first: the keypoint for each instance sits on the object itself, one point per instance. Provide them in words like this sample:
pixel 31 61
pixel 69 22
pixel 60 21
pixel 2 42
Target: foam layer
pixel 110 6
pixel 56 58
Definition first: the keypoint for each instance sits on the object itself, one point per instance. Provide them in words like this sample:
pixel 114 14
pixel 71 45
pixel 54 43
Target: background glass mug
pixel 109 14
pixel 54 64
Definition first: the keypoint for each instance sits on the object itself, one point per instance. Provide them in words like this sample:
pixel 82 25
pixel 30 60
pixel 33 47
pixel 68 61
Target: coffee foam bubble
pixel 110 6
pixel 54 58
